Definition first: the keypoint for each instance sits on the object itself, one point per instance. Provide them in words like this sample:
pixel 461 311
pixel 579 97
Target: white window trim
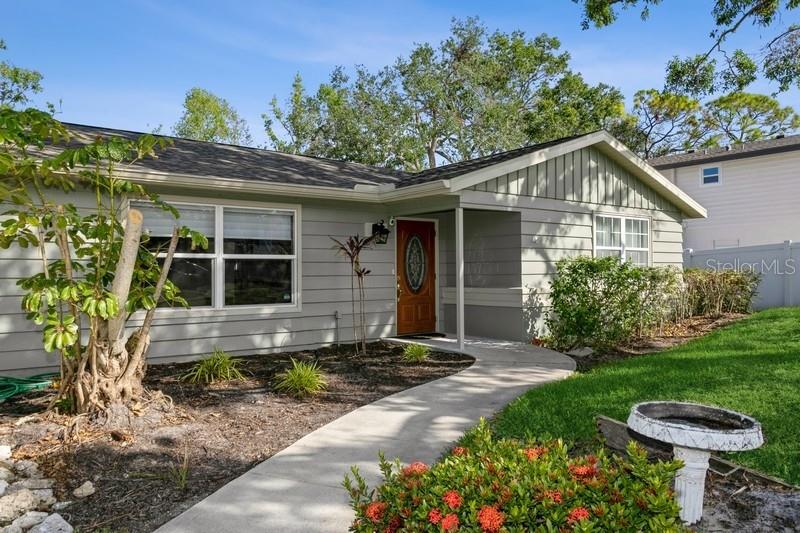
pixel 623 247
pixel 218 257
pixel 719 176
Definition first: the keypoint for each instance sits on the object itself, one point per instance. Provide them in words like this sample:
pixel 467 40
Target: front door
pixel 416 277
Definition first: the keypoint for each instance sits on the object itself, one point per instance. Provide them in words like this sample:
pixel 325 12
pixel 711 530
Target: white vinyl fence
pixel 777 264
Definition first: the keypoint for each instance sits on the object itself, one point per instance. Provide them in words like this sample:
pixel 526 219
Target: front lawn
pixel 752 366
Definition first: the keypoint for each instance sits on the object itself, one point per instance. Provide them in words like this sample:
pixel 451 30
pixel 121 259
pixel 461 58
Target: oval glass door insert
pixel 416 263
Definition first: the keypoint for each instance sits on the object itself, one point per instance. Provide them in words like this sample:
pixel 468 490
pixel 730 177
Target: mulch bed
pixel 218 431
pixel 672 335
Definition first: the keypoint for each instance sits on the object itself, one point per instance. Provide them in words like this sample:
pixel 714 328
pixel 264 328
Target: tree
pixel 717 68
pixel 17 83
pixel 105 270
pixel 744 117
pixel 207 117
pixel 474 94
pixel 665 122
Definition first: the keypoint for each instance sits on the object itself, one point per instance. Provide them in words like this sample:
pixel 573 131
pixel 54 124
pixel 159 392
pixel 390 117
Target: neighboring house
pixel 750 191
pixel 472 246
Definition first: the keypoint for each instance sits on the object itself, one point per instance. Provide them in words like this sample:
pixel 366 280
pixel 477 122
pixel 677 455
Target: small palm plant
pixel 219 366
pixel 416 353
pixel 351 250
pixel 303 379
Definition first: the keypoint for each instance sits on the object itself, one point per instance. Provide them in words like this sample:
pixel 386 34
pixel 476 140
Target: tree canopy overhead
pixel 207 117
pixel 475 93
pixel 17 84
pixel 718 68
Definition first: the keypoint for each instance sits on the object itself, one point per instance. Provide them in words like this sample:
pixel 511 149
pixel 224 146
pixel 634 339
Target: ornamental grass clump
pixel 491 485
pixel 303 379
pixel 416 353
pixel 218 366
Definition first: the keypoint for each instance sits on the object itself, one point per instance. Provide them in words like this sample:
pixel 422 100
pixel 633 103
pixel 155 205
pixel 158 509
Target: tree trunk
pixel 107 376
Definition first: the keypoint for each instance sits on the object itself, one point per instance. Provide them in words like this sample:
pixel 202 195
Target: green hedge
pixel 602 302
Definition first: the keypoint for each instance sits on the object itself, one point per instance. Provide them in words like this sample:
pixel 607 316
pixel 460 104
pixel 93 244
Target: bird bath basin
pixel 694 430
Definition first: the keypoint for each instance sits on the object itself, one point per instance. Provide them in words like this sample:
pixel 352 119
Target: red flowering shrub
pixel 460 451
pixel 490 519
pixel 452 499
pixel 501 485
pixel 450 522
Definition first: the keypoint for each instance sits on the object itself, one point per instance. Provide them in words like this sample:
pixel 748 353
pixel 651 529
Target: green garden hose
pixel 12 386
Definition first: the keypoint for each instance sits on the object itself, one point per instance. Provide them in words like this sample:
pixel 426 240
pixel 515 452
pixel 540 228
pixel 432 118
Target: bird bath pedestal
pixel 694 431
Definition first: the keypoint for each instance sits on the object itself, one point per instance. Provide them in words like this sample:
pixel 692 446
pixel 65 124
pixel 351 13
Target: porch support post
pixel 460 276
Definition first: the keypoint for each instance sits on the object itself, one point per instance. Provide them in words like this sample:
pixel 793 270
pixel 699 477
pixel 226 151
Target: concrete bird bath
pixel 694 430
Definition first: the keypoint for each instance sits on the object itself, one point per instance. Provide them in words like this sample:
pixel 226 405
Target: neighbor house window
pixel 623 237
pixel 710 175
pixel 251 257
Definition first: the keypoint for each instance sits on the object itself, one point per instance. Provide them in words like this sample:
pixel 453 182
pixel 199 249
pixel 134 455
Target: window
pixel 623 237
pixel 251 258
pixel 710 175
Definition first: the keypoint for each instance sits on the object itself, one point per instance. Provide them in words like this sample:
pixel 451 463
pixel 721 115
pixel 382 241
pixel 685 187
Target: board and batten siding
pixel 557 201
pixel 754 203
pixel 179 335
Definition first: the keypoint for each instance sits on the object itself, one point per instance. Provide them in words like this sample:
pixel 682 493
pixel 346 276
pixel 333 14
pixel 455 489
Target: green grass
pixel 752 366
pixel 416 353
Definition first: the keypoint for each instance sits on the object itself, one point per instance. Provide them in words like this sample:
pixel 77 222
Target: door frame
pixel 439 312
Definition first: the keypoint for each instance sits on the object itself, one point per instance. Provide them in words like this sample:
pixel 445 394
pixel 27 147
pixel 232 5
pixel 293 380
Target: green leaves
pixel 207 117
pixel 60 332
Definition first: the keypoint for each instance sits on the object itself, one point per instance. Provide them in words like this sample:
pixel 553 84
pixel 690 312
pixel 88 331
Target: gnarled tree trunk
pixel 106 374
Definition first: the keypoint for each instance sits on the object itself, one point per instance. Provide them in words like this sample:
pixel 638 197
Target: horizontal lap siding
pixel 557 201
pixel 185 335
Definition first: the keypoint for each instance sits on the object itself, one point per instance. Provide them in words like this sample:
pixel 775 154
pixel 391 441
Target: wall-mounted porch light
pixel 380 233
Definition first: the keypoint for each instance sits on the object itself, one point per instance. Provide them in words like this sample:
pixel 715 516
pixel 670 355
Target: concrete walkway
pixel 299 489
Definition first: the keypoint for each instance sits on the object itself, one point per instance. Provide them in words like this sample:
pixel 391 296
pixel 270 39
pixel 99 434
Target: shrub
pixel 711 292
pixel 415 353
pixel 488 485
pixel 219 366
pixel 302 379
pixel 602 302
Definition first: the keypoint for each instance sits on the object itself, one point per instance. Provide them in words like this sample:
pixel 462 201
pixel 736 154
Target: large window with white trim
pixel 251 259
pixel 624 237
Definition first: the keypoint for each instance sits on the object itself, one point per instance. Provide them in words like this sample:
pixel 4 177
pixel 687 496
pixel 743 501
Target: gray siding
pixel 182 335
pixel 556 202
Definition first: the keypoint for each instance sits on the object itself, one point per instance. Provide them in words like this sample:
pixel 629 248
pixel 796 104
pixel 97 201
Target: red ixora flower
pixel 553 495
pixel 435 516
pixel 535 453
pixel 375 511
pixel 452 499
pixel 449 522
pixel 416 468
pixel 459 451
pixel 490 519
pixel 578 514
pixel 583 471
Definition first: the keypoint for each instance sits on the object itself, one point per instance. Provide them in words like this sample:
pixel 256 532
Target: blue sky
pixel 128 63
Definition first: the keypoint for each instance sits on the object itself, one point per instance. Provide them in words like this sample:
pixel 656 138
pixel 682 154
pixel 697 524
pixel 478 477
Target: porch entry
pixel 416 277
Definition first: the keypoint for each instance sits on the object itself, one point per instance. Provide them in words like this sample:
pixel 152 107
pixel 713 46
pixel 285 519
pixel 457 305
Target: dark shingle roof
pixel 200 158
pixel 218 160
pixel 737 151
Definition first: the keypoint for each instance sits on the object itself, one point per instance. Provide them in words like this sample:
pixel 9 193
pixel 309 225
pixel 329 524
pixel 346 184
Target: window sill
pixel 239 310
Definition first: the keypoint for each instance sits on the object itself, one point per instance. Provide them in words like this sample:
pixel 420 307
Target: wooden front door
pixel 416 277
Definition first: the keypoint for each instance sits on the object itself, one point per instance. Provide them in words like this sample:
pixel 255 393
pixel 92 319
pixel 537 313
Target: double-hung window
pixel 624 237
pixel 251 258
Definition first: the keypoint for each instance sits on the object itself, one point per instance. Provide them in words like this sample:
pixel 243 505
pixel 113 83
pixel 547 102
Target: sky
pixel 128 63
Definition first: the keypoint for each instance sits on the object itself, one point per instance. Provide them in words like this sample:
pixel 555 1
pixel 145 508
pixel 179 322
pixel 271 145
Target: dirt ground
pixel 672 335
pixel 148 475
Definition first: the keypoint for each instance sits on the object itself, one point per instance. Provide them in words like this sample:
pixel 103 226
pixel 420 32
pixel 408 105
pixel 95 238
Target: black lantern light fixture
pixel 380 233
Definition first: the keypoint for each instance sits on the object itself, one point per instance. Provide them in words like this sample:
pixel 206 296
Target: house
pixel 470 251
pixel 750 191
